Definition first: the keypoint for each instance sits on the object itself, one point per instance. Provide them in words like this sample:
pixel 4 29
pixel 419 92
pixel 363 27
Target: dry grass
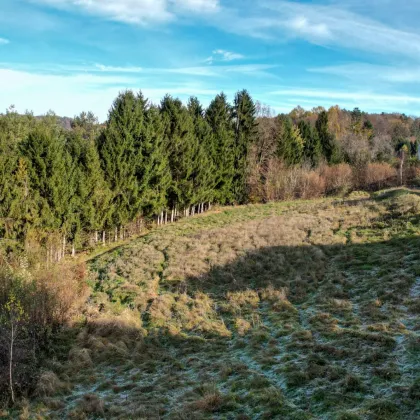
pixel 295 310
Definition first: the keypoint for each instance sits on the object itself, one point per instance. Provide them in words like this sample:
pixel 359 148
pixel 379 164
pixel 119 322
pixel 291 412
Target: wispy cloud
pixel 334 94
pixel 135 11
pixel 133 72
pixel 4 41
pixel 223 55
pixel 116 69
pixel 371 73
pixel 331 25
pixel 375 102
pixel 42 92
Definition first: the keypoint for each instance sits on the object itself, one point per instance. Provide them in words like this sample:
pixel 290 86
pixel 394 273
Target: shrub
pixel 47 299
pixel 338 178
pixel 407 204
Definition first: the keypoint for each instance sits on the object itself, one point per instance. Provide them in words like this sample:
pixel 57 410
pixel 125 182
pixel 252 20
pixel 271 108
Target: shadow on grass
pixel 293 332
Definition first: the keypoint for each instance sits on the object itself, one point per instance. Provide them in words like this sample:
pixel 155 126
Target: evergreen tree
pixel 328 144
pixel 119 157
pixel 222 148
pixel 312 151
pixel 182 147
pixel 204 178
pixel 244 113
pixel 51 177
pixel 290 145
pixel 154 172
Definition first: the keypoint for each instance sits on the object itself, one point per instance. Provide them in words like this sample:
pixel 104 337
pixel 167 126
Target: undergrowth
pixel 296 310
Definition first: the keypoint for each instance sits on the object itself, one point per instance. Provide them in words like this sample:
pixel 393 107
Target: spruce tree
pixel 329 146
pixel 51 177
pixel 182 148
pixel 244 113
pixel 290 145
pixel 204 177
pixel 119 157
pixel 312 151
pixel 222 148
pixel 153 171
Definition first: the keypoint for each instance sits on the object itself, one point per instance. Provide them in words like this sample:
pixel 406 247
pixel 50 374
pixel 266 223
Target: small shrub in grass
pixel 353 383
pixel 408 204
pixel 242 326
pixel 93 405
pixel 49 384
pixel 384 409
pixel 358 195
pixel 414 391
pixel 211 402
pixel 259 337
pixel 296 378
pixel 346 415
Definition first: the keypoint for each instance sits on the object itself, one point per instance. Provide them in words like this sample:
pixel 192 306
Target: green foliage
pixel 290 144
pixel 329 146
pixel 244 116
pixel 117 148
pixel 312 151
pixel 222 148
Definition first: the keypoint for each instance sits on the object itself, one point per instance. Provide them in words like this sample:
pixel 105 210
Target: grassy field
pixel 298 310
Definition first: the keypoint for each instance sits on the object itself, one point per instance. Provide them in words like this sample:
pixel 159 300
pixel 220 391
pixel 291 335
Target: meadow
pixel 289 310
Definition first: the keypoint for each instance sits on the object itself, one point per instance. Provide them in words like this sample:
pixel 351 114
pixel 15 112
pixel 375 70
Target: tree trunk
pixel 12 342
pixel 103 238
pixel 166 217
pixel 96 236
pixel 116 235
pixel 401 167
pixel 172 215
pixel 64 246
pixel 73 250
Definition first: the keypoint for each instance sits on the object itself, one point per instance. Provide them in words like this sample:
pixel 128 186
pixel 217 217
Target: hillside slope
pixel 291 310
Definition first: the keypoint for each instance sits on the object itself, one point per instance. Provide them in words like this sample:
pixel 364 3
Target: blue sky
pixel 75 55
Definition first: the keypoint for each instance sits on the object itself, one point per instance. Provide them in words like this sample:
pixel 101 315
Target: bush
pixel 338 178
pixel 375 176
pixel 46 299
pixel 407 204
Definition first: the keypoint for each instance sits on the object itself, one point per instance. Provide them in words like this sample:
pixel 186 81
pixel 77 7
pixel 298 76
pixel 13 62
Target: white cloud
pixel 227 55
pixel 69 90
pixel 223 55
pixel 331 25
pixel 117 69
pixel 197 5
pixel 303 27
pixel 371 73
pixel 331 94
pixel 136 11
pixel 4 41
pixel 371 101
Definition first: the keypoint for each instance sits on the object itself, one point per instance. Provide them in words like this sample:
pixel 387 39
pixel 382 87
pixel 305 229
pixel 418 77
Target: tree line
pixel 63 189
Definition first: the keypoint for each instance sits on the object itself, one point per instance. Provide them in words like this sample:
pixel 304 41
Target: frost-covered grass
pixel 293 310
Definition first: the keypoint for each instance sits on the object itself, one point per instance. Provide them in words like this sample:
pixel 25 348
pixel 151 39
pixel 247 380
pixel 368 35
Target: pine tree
pixel 153 172
pixel 290 145
pixel 222 148
pixel 244 113
pixel 312 151
pixel 182 147
pixel 119 157
pixel 204 177
pixel 51 178
pixel 328 144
